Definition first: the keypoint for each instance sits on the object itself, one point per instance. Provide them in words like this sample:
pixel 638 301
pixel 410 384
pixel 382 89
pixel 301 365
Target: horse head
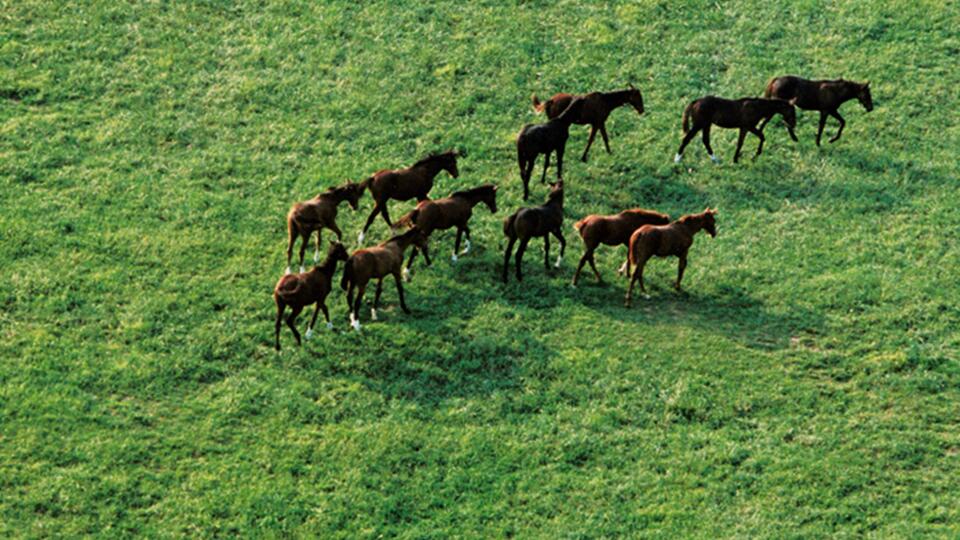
pixel 863 96
pixel 635 98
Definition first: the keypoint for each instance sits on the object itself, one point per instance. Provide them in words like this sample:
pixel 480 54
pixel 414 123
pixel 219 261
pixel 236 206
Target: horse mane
pixel 473 191
pixel 432 157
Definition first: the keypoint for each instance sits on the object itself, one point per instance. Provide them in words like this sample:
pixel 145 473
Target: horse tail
pixel 768 91
pixel 537 104
pixel 632 250
pixel 407 220
pixel 286 294
pixel 686 118
pixel 508 228
pixel 347 274
pixel 579 225
pixel 365 184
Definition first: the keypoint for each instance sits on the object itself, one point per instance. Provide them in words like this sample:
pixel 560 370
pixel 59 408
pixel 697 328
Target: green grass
pixel 806 384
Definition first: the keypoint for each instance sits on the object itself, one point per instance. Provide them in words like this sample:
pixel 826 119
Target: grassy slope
pixel 807 383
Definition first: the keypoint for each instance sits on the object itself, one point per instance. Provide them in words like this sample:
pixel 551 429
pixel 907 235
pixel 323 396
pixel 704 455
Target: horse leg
pixel 276 329
pixel 526 178
pixel 313 321
pixel 336 230
pixel 376 300
pixel 683 144
pixel 506 258
pixel 760 136
pixel 593 133
pixel 823 123
pixel 563 246
pixel 292 322
pixel 546 163
pixel 560 162
pixel 706 143
pixel 304 240
pixel 386 214
pixel 606 140
pixel 519 259
pixel 583 260
pixel 355 313
pixel 326 313
pixel 836 114
pixel 466 239
pixel 403 303
pixel 736 155
pixel 637 275
pixel 456 245
pixel 680 268
pixel 293 238
pixel 373 214
pixel 546 251
pixel 406 271
pixel 593 266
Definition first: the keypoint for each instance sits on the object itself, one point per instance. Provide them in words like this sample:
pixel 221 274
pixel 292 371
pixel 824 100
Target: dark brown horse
pixel 376 263
pixel 536 139
pixel 528 223
pixel 824 96
pixel 741 113
pixel 613 230
pixel 665 240
pixel 317 213
pixel 452 211
pixel 415 181
pixel 597 107
pixel 301 290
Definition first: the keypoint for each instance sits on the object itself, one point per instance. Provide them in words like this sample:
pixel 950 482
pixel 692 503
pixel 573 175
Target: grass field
pixel 806 384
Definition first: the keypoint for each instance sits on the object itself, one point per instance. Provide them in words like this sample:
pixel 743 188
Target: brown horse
pixel 301 290
pixel 666 240
pixel 415 181
pixel 376 263
pixel 527 223
pixel 317 213
pixel 741 113
pixel 823 96
pixel 613 230
pixel 534 140
pixel 597 107
pixel 452 211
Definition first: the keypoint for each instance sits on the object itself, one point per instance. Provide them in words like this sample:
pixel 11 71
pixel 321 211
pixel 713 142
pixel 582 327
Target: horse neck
pixel 848 91
pixel 401 242
pixel 339 195
pixel 693 223
pixel 555 205
pixel 329 265
pixel 615 99
pixel 430 169
pixel 472 199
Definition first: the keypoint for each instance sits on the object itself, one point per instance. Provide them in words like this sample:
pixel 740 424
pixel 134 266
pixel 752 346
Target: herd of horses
pixel 645 233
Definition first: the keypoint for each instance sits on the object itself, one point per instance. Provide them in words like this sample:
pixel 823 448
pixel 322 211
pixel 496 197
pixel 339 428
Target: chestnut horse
pixel 301 290
pixel 613 230
pixel 534 140
pixel 452 211
pixel 415 181
pixel 317 213
pixel 665 240
pixel 824 96
pixel 376 263
pixel 741 113
pixel 527 223
pixel 596 108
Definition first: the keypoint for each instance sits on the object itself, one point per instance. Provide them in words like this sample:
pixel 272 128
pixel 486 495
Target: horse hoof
pixel 302 269
pixel 309 333
pixel 453 258
pixel 646 296
pixel 288 271
pixel 355 324
pixel 557 264
pixel 329 326
pixel 677 158
pixel 373 314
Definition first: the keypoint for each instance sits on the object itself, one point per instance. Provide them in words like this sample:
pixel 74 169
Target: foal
pixel 317 213
pixel 376 263
pixel 823 96
pixel 665 240
pixel 613 230
pixel 741 113
pixel 452 211
pixel 415 181
pixel 596 108
pixel 528 223
pixel 305 288
pixel 534 140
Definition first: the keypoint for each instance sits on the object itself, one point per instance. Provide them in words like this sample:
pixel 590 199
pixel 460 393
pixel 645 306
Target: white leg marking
pixel 406 274
pixel 557 264
pixel 302 269
pixel 453 258
pixel 714 159
pixel 360 238
pixel 622 269
pixel 466 247
pixel 677 158
pixel 316 255
pixel 288 271
pixel 646 296
pixel 355 324
pixel 329 326
pixel 309 333
pixel 373 314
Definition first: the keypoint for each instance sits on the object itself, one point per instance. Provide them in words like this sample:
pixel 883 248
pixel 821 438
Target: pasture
pixel 805 384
